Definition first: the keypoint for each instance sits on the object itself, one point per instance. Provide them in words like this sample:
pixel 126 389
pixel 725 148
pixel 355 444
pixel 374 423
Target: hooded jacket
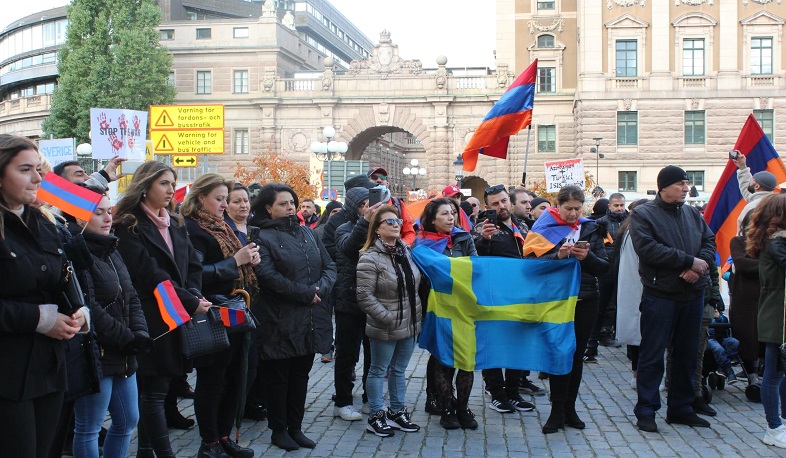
pixel 350 238
pixel 666 237
pixel 293 263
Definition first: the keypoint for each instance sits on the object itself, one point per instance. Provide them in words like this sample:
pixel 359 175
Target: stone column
pixel 660 77
pixel 591 43
pixel 728 23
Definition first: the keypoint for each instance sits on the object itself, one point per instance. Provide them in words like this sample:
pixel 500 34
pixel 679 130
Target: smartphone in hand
pixel 491 216
pixel 374 196
pixel 734 155
pixel 581 244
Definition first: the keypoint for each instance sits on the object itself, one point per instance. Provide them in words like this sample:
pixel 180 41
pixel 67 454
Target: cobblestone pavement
pixel 606 404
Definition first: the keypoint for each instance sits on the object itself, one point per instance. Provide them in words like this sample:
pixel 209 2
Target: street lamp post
pixel 598 157
pixel 458 167
pixel 414 170
pixel 329 150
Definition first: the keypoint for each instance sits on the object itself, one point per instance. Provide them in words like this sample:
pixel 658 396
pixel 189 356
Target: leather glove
pixel 141 344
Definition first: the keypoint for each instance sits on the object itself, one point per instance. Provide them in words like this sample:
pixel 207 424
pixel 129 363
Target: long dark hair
pixel 430 213
pixel 376 220
pixel 143 179
pixel 267 196
pixel 10 146
pixel 768 218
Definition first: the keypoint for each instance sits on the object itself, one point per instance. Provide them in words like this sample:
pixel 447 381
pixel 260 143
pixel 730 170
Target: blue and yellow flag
pixel 490 312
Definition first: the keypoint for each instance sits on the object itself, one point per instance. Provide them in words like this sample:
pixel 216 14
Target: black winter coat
pixel 149 263
pixel 329 234
pixel 115 309
pixel 293 263
pixel 350 238
pixel 31 262
pixel 667 237
pixel 218 274
pixel 594 265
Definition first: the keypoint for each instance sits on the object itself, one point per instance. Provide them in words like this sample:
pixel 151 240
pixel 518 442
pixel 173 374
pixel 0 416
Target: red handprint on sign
pixel 116 144
pixel 103 122
pixel 136 122
pixel 123 122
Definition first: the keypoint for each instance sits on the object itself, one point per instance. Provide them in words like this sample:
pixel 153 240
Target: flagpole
pixel 526 158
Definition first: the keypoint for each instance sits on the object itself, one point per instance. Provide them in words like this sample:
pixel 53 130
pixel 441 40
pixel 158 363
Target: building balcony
pixel 695 82
pixel 763 81
pixel 35 105
pixel 630 83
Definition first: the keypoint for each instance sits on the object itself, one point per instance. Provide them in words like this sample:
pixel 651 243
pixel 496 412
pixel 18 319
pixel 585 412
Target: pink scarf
pixel 162 223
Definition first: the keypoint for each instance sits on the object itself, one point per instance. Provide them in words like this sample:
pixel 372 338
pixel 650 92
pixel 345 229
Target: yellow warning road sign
pixel 188 141
pixel 185 160
pixel 186 117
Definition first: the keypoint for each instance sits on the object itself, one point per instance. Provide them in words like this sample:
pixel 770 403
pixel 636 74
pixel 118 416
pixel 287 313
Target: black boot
pixel 174 419
pixel 556 419
pixel 449 419
pixel 572 418
pixel 212 450
pixel 433 406
pixel 283 440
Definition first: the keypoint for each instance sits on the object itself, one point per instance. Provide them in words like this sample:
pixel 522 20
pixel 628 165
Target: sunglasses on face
pixel 393 221
pixel 495 189
pixel 378 177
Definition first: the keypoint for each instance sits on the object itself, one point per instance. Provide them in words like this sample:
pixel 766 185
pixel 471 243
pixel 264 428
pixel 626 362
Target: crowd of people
pixel 649 280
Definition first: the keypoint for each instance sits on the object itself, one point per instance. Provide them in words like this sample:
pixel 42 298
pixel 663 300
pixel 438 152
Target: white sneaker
pixel 365 408
pixel 348 413
pixel 776 437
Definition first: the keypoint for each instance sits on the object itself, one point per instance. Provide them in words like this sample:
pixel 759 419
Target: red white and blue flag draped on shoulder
pixel 511 113
pixel 726 201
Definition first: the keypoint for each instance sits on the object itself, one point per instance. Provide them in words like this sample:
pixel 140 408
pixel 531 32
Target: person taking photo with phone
pixel 752 186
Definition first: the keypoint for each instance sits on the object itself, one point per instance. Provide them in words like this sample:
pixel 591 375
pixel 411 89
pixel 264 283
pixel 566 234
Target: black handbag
pixel 203 334
pixel 237 300
pixel 71 292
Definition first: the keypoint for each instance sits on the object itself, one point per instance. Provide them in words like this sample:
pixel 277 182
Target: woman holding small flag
pixel 120 326
pixel 32 325
pixel 560 232
pixel 226 265
pixel 163 266
pixel 440 233
pixel 296 275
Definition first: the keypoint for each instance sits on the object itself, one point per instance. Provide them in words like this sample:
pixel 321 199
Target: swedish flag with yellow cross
pixel 491 312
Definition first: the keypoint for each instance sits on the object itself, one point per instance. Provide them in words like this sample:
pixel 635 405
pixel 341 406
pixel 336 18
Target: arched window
pixel 546 41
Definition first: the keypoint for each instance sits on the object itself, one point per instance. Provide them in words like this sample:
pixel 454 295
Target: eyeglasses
pixel 495 189
pixel 393 221
pixel 378 177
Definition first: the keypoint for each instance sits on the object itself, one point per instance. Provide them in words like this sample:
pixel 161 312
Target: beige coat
pixel 377 292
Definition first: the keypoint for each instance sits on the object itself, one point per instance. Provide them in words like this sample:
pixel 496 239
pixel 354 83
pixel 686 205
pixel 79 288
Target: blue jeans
pixel 394 354
pixel 119 396
pixel 723 351
pixel 665 322
pixel 773 387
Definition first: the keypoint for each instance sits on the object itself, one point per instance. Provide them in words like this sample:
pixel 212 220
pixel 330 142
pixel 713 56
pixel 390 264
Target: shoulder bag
pixel 203 334
pixel 238 299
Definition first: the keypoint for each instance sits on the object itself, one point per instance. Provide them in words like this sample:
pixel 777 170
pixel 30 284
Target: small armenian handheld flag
pixel 232 317
pixel 172 311
pixel 73 199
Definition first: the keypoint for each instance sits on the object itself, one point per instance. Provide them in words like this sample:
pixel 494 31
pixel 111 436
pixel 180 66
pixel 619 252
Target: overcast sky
pixel 462 30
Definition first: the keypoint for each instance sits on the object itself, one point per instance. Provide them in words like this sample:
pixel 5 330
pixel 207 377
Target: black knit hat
pixel 358 181
pixel 670 175
pixel 539 200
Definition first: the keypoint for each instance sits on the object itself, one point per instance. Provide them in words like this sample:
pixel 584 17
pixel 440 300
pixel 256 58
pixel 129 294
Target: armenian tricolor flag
pixel 172 311
pixel 475 321
pixel 511 113
pixel 73 199
pixel 547 232
pixel 232 317
pixel 726 201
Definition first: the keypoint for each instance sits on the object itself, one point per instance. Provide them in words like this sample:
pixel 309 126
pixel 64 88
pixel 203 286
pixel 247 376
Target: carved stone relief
pixel 385 60
pixel 384 113
pixel 269 80
pixel 625 3
pixel 298 141
pixel 763 103
pixel 761 2
pixel 502 75
pixel 694 2
pixel 627 104
pixel 535 26
pixel 694 104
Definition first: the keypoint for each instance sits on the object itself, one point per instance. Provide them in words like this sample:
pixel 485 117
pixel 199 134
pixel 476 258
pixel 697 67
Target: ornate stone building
pixel 659 81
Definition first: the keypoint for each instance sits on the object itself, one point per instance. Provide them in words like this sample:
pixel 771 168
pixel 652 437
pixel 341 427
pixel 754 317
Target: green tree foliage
pixel 111 59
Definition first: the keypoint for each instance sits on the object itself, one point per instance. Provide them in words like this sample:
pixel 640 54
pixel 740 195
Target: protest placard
pixel 58 150
pixel 117 132
pixel 564 173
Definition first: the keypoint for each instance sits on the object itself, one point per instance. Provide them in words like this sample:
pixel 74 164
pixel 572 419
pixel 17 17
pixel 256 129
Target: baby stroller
pixel 712 380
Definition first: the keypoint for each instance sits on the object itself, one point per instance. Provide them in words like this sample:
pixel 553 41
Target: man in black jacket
pixel 350 320
pixel 329 235
pixel 501 239
pixel 675 248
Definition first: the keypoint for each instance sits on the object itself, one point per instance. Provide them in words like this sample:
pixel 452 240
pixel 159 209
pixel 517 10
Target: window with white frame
pixel 627 181
pixel 241 141
pixel 627 58
pixel 546 5
pixel 696 177
pixel 547 79
pixel 694 128
pixel 547 138
pixel 170 81
pixel 166 34
pixel 761 56
pixel 693 57
pixel 240 82
pixel 627 128
pixel 766 120
pixel 204 82
pixel 546 41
